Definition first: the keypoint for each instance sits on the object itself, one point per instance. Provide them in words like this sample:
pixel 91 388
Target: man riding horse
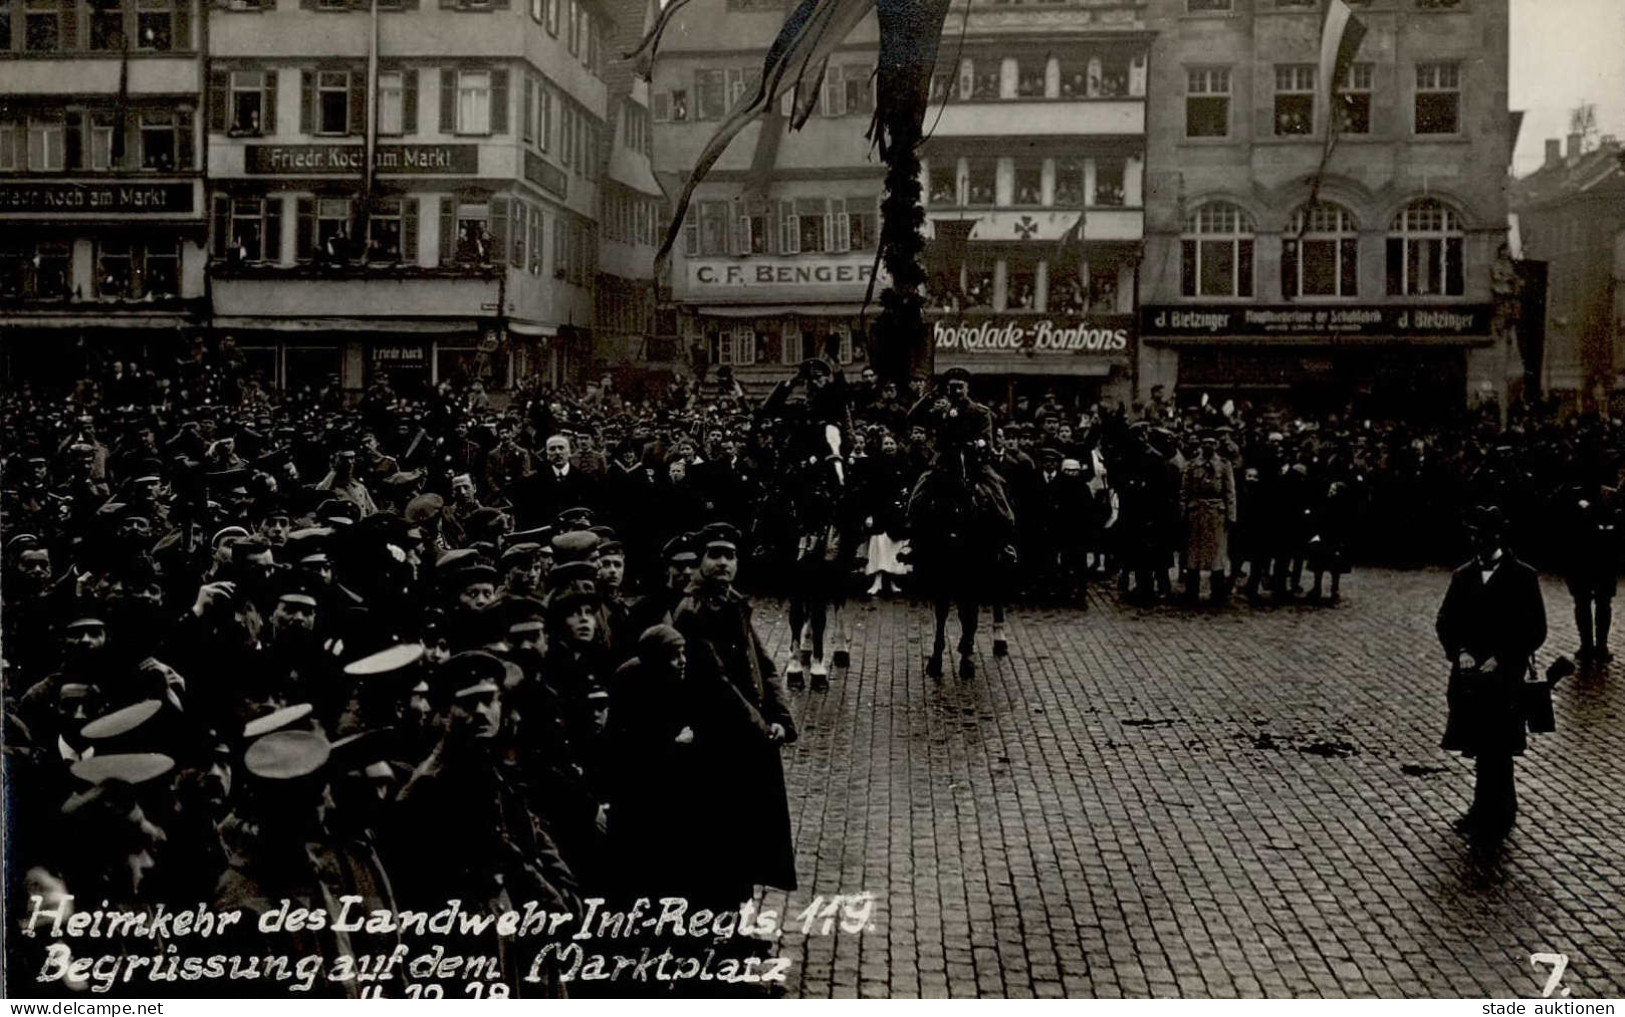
pixel 962 530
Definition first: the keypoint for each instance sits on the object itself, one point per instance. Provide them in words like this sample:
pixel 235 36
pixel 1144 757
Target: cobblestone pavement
pixel 1205 802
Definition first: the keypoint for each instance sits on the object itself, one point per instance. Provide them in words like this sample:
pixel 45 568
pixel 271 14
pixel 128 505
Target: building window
pixel 1294 99
pixel 1021 285
pixel 473 102
pixel 1069 181
pixel 815 232
pixel 863 223
pixel 166 141
pixel 385 230
pixel 1207 102
pixel 107 25
pixel 42 26
pixel 102 126
pixel 333 102
pixel 711 93
pixel 1216 252
pixel 572 26
pixel 1200 6
pixel 1438 98
pixel 858 85
pixel 1028 189
pixel 5 25
pixel 12 146
pixel 155 26
pixel 333 243
pixel 1426 244
pixel 52 262
pixel 251 95
pixel 944 182
pixel 982 81
pixel 1030 78
pixel 1354 100
pixel 1320 256
pixel 47 144
pixel 981 178
pixel 553 18
pixel 253 226
pixel 1110 176
pixel 128 269
pixel 391 101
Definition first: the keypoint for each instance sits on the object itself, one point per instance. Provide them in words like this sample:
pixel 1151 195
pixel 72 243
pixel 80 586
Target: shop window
pixel 42 26
pixel 1207 102
pixel 1110 188
pixel 1030 77
pixel 106 25
pixel 1294 99
pixel 47 144
pixel 1426 245
pixel 332 102
pixel 981 179
pixel 1021 286
pixel 155 26
pixel 1029 184
pixel 1354 100
pixel 1320 256
pixel 944 182
pixel 1216 252
pixel 1438 98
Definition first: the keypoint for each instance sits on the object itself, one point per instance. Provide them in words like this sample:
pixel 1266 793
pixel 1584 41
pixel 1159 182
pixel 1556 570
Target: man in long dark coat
pixel 748 718
pixel 1492 621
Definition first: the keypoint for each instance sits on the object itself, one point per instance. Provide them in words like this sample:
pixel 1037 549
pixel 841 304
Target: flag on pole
pixel 1340 36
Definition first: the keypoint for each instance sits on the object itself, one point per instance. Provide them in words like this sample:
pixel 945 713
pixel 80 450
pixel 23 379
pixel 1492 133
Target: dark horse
pixel 955 550
pixel 817 518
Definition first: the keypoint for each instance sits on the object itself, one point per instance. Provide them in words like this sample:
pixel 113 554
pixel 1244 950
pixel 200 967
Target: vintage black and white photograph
pixel 758 499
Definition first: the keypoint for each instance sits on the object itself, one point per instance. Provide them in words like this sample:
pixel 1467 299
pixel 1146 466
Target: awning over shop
pixel 533 330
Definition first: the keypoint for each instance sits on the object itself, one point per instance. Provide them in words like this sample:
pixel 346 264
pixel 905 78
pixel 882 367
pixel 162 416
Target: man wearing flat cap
pixel 730 668
pixel 1492 621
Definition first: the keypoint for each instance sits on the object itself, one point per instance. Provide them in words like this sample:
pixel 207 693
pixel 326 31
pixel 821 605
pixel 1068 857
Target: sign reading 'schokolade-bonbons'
pixel 316 159
pixel 1101 335
pixel 1315 320
pixel 63 198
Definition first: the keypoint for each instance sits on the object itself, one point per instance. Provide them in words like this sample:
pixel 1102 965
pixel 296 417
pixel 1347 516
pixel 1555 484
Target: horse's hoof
pixel 967 667
pixel 796 679
pixel 933 666
pixel 1001 648
pixel 820 682
pixel 841 658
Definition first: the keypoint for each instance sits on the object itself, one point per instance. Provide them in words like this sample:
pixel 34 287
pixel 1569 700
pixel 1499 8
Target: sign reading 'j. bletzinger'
pixel 1316 320
pixel 318 159
pixel 1103 335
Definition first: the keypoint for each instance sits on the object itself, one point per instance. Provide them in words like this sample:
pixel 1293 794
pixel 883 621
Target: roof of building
pixel 1554 183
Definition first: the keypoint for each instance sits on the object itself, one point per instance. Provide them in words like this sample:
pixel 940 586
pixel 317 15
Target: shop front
pixel 1082 359
pixel 1380 361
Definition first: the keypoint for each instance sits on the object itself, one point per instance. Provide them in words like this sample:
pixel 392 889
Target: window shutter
pixel 499 101
pixel 409 101
pixel 842 236
pixel 183 25
pixel 358 103
pixel 268 104
pixel 219 95
pixel 409 230
pixel 305 232
pixel 1187 268
pixel 691 234
pixel 448 101
pixel 499 229
pixel 448 229
pixel 222 225
pixel 742 234
pixel 307 102
pixel 967 78
pixel 790 235
pixel 185 140
pixel 273 230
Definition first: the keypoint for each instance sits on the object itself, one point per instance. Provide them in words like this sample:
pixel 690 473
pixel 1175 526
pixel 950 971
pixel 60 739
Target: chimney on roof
pixel 1574 146
pixel 1554 152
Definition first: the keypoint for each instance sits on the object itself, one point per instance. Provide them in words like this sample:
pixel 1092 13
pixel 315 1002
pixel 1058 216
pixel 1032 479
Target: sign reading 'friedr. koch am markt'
pixel 1312 320
pixel 294 160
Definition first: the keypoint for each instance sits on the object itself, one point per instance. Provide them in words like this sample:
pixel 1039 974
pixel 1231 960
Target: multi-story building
pixel 467 247
pixel 102 229
pixel 631 201
pixel 1571 215
pixel 1377 296
pixel 1032 175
